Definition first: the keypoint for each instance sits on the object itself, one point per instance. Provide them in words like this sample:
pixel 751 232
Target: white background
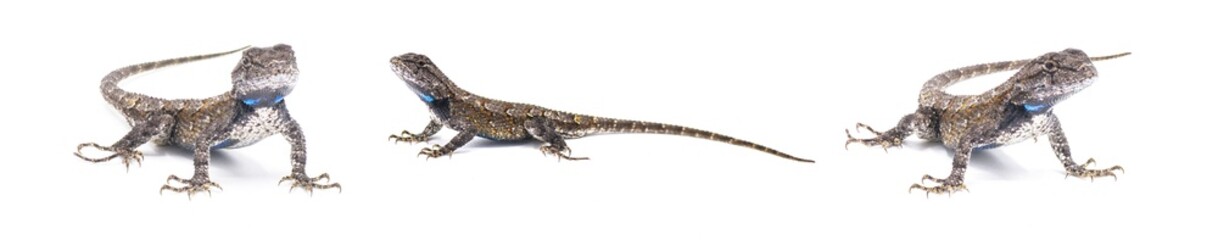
pixel 787 75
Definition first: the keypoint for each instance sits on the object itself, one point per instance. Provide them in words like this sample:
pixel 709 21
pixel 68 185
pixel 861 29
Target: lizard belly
pixel 258 125
pixel 1020 131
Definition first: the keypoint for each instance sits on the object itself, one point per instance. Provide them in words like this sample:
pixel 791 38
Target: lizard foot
pixel 879 140
pixel 434 151
pixel 1084 172
pixel 947 186
pixel 300 180
pixel 193 185
pixel 408 137
pixel 561 152
pixel 128 155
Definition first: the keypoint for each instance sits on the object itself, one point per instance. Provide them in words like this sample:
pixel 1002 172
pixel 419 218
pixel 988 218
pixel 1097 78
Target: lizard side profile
pixel 472 115
pixel 253 110
pixel 1018 109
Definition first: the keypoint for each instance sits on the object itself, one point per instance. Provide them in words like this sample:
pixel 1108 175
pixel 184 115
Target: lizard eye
pixel 278 98
pixel 1049 66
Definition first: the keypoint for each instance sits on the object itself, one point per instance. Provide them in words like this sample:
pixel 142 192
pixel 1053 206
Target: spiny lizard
pixel 1018 109
pixel 253 110
pixel 472 115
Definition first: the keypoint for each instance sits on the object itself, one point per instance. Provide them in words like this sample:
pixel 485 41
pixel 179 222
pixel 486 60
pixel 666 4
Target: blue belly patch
pixel 987 146
pixel 226 143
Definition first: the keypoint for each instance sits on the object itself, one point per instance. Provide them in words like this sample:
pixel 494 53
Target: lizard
pixel 252 110
pixel 1020 108
pixel 473 115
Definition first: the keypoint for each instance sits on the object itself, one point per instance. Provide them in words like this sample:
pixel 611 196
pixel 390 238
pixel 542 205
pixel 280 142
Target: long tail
pixel 123 99
pixel 607 125
pixel 934 88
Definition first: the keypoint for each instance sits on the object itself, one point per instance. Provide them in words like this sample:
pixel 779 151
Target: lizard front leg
pixel 200 182
pixel 1057 138
pixel 552 143
pixel 125 147
pixel 291 132
pixel 437 150
pixel 955 181
pixel 891 138
pixel 432 128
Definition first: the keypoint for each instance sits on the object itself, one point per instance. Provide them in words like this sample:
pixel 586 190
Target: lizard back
pixel 502 120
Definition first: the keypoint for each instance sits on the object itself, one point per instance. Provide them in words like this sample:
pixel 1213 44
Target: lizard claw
pixel 408 137
pixel 128 155
pixel 192 186
pixel 872 130
pixel 933 179
pixel 432 152
pixel 547 149
pixel 300 180
pixel 1084 172
pixel 945 186
pixel 881 140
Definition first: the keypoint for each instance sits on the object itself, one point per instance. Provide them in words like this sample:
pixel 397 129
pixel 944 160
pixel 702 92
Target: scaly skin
pixel 1019 109
pixel 252 111
pixel 472 115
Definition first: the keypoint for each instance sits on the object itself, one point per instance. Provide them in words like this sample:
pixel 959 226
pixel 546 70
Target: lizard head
pixel 265 75
pixel 1051 78
pixel 422 76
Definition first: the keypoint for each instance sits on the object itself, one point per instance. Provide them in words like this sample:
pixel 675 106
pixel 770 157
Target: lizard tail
pixel 123 99
pixel 1102 58
pixel 632 126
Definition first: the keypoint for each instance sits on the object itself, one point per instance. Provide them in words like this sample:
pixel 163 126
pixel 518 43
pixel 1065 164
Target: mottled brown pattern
pixel 472 115
pixel 252 111
pixel 1016 110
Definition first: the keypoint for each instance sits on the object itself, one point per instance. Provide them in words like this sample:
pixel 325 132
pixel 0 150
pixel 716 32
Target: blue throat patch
pixel 254 101
pixel 427 98
pixel 1035 107
pixel 251 101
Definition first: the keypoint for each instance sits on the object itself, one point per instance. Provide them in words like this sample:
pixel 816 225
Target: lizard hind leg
pixel 141 133
pixel 552 143
pixel 891 138
pixel 128 155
